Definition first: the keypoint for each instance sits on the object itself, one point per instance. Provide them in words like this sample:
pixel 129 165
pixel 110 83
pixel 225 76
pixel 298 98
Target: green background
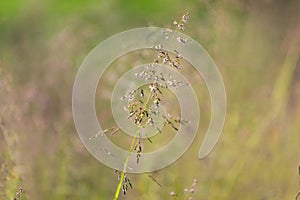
pixel 255 44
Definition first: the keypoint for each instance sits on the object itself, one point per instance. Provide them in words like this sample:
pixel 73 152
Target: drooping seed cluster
pixel 140 108
pixel 144 102
pixel 137 107
pixel 169 120
pixel 19 193
pixel 151 73
pixel 166 59
pixel 181 24
pixel 143 116
pixel 138 149
pixel 126 182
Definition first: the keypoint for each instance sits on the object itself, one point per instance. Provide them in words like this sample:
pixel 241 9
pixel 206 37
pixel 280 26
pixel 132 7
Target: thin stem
pixel 117 193
pixel 125 166
pixel 148 99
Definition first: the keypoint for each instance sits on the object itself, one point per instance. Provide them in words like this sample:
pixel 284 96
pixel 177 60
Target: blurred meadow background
pixel 255 44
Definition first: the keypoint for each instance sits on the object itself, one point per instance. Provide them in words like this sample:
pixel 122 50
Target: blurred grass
pixel 255 45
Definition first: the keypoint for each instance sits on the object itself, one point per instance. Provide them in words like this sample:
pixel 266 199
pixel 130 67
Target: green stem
pixel 125 166
pixel 117 193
